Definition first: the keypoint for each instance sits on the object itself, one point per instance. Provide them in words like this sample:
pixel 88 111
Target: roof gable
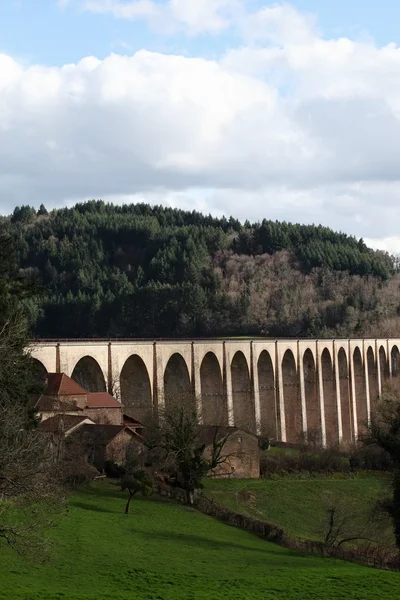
pixel 131 420
pixel 209 433
pixel 63 423
pixel 59 384
pixel 98 434
pixel 52 404
pixel 102 400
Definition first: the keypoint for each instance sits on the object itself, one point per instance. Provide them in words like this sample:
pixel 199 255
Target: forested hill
pixel 143 271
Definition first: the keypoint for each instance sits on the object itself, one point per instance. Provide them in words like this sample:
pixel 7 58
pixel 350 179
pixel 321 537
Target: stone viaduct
pixel 286 388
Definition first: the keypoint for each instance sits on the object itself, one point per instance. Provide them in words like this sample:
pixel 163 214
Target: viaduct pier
pixel 285 388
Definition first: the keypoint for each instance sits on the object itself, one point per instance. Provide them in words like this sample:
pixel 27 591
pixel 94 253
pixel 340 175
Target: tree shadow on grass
pixel 199 541
pixel 93 496
pixel 90 507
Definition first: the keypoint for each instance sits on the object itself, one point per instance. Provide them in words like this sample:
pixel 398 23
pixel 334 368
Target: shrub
pixel 113 469
pixel 135 482
pixel 369 458
pixel 268 465
pixel 264 442
pixel 327 460
pixel 78 472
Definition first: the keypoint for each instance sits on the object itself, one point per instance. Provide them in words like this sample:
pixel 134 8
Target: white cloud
pixel 191 16
pixel 280 23
pixel 149 119
pixel 132 10
pixel 122 44
pixel 388 244
pixel 294 126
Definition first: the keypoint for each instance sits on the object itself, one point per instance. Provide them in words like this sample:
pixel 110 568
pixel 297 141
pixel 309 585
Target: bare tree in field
pixel 344 522
pixel 135 479
pixel 177 445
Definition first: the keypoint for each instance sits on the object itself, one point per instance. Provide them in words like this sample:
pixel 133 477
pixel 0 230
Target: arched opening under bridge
pixel 213 399
pixel 384 368
pixel 372 380
pixel 135 388
pixel 345 398
pixel 268 409
pixel 291 397
pixel 313 412
pixel 330 403
pixel 361 392
pixel 243 403
pixel 395 358
pixel 88 374
pixel 39 370
pixel 177 386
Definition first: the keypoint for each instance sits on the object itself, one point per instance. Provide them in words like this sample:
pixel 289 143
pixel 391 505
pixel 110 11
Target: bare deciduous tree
pixel 30 493
pixel 344 522
pixel 178 446
pixel 135 479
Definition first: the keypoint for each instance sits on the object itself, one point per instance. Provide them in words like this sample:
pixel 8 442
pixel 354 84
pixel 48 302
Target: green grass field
pixel 167 551
pixel 297 505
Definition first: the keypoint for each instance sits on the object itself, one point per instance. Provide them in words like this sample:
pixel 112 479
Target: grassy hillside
pixel 297 505
pixel 169 552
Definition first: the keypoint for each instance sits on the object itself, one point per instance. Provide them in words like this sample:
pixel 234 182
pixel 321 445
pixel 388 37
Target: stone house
pixel 103 409
pixel 94 422
pixel 63 395
pixel 103 442
pixel 241 450
pixel 60 427
pixel 97 421
pixel 135 426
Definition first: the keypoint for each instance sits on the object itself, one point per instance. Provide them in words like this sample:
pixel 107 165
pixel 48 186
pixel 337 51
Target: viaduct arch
pixel 330 399
pixel 360 390
pixel 135 388
pixel 312 406
pixel 343 390
pixel 213 399
pixel 88 374
pixel 242 397
pixel 268 409
pixel 39 368
pixel 291 398
pixel 177 385
pixel 325 390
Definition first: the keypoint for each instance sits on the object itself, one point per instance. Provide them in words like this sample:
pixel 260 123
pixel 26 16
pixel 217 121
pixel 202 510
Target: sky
pixel 283 110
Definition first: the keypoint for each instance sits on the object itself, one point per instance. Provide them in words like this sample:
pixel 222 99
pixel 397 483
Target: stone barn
pixel 104 442
pixel 241 450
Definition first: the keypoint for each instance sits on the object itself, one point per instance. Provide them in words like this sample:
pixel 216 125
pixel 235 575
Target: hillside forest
pixel 101 270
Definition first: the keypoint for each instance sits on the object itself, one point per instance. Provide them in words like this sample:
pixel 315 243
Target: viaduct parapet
pixel 284 388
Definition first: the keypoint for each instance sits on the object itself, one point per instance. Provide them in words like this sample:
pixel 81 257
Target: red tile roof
pixel 131 422
pixel 51 404
pixel 62 422
pixel 135 433
pixel 59 384
pixel 102 400
pixel 102 435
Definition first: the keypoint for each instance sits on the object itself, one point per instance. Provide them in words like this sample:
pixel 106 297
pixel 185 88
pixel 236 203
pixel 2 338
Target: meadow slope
pixel 167 551
pixel 298 504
